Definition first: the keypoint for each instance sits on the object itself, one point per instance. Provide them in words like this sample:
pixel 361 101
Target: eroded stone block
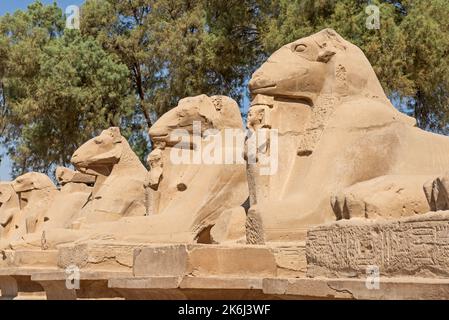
pixel 98 255
pixel 164 260
pixel 28 258
pixel 238 260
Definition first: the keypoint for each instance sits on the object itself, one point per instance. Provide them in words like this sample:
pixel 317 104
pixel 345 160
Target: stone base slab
pixel 116 285
pixel 197 271
pixel 10 259
pixel 99 255
pixel 389 289
pixel 281 259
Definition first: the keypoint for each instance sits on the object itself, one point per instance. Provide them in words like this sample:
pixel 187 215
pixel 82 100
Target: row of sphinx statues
pixel 342 151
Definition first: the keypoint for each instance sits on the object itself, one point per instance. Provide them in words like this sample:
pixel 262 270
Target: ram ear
pixel 5 194
pixel 325 55
pixel 116 135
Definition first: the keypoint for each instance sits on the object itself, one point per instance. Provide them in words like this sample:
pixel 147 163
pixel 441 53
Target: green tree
pixel 60 89
pixel 3 109
pixel 178 48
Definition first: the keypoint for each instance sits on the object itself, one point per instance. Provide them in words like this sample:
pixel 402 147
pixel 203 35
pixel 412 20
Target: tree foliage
pixel 60 88
pixel 178 48
pixel 132 60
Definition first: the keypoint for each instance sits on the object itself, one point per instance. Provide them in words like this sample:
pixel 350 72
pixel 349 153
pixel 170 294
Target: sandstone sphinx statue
pixel 340 142
pixel 118 190
pixel 27 200
pixel 185 198
pixel 182 201
pixel 73 196
pixel 203 188
pixel 9 207
pixel 108 186
pixel 31 203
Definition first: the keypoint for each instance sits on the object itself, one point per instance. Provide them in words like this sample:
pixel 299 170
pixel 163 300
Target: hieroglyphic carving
pixel 410 246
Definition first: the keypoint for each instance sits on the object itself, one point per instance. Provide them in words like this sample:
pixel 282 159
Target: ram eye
pixel 300 48
pixel 181 113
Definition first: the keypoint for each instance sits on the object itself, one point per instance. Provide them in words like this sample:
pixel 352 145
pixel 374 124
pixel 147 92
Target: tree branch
pixel 140 92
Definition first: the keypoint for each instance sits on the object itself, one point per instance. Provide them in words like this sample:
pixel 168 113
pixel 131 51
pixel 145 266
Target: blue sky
pixel 13 5
pixel 9 6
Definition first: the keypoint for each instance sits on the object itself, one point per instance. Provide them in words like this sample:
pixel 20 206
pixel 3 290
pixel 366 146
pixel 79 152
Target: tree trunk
pixel 141 94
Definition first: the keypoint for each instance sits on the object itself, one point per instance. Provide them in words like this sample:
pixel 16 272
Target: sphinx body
pixel 336 129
